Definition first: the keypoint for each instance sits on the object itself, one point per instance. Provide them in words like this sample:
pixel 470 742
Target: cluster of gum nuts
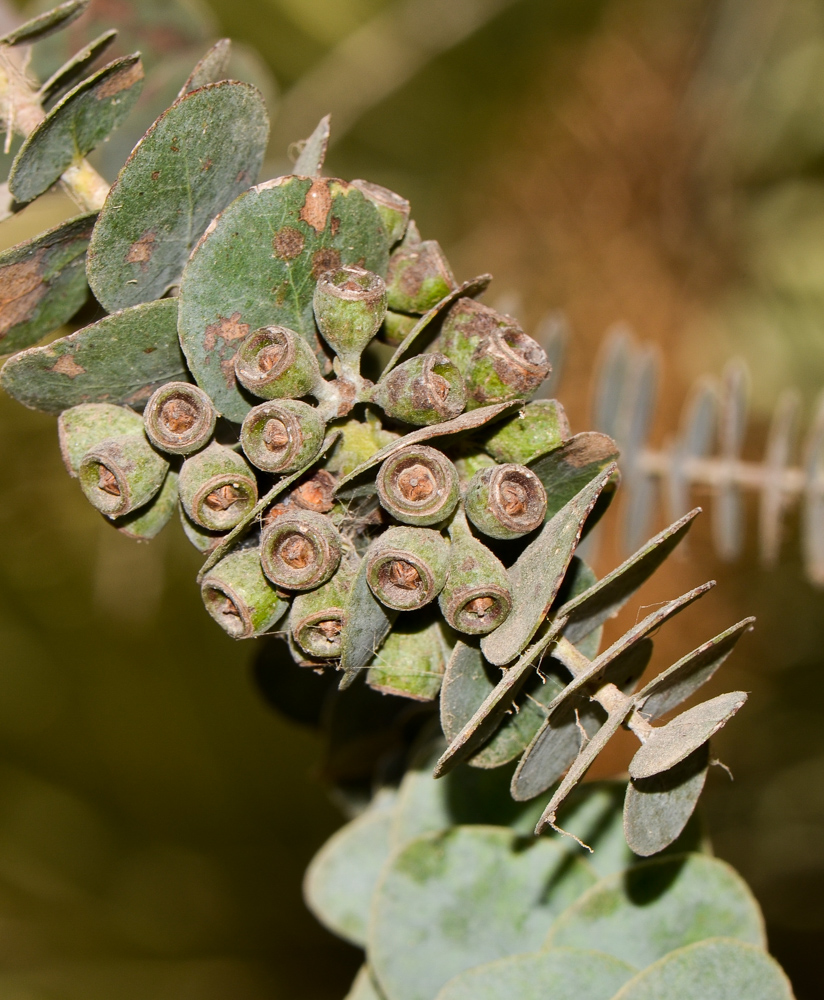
pixel 300 556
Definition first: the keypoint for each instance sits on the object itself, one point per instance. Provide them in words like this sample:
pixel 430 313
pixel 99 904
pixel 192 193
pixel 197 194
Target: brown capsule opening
pixel 178 415
pixel 400 580
pixel 317 493
pixel 300 550
pixel 276 435
pixel 519 360
pixel 478 610
pixel 416 483
pixel 263 357
pixel 107 481
pixel 517 497
pixel 227 611
pixel 222 501
pixel 319 634
pixel 297 551
pixel 419 485
pixel 354 284
pixel 179 418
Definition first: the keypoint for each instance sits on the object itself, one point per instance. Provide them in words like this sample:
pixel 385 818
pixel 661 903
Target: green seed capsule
pixel 276 363
pixel 412 660
pixel 540 427
pixel 148 521
pixel 240 598
pixel 282 436
pixel 497 359
pixel 217 488
pixel 300 551
pixel 393 209
pixel 418 485
pixel 82 427
pixel 418 277
pixel 350 304
pixel 316 618
pixel 427 389
pixel 121 474
pixel 407 567
pixel 396 326
pixel 477 597
pixel 179 418
pixel 506 502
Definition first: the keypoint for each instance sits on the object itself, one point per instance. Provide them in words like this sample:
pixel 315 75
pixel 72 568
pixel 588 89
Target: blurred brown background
pixel 660 164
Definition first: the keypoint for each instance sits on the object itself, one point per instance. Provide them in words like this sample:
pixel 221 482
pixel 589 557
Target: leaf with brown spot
pixel 168 194
pixel 565 470
pixel 43 283
pixel 86 116
pixel 315 209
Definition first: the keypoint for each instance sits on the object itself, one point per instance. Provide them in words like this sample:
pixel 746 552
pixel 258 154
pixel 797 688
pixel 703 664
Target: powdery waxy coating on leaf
pixel 199 155
pixel 74 126
pixel 120 359
pixel 236 271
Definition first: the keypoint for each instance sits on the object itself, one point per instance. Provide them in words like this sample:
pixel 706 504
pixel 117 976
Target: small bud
pixel 393 210
pixel 407 567
pixel 477 597
pixel 121 474
pixel 350 304
pixel 217 488
pixel 427 389
pixel 418 277
pixel 204 541
pixel 179 418
pixel 300 551
pixel 396 326
pixel 82 427
pixel 316 618
pixel 506 502
pixel 277 363
pixel 540 427
pixel 497 359
pixel 418 485
pixel 240 598
pixel 148 521
pixel 282 436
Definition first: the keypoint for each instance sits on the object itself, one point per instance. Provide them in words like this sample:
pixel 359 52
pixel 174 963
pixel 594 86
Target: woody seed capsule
pixel 506 502
pixel 282 436
pixel 427 389
pixel 392 208
pixel 350 304
pixel 121 474
pixel 276 363
pixel 418 278
pixel 477 596
pixel 217 488
pixel 406 567
pixel 418 485
pixel 82 427
pixel 179 418
pixel 540 427
pixel 316 618
pixel 300 551
pixel 240 598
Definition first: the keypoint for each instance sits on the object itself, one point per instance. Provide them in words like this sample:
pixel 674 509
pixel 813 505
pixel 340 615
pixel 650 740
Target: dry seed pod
pixel 316 618
pixel 418 485
pixel 477 596
pixel 282 436
pixel 82 427
pixel 407 567
pixel 240 598
pixel 418 277
pixel 179 418
pixel 350 303
pixel 217 488
pixel 393 209
pixel 396 326
pixel 276 363
pixel 121 474
pixel 300 551
pixel 506 502
pixel 427 389
pixel 497 359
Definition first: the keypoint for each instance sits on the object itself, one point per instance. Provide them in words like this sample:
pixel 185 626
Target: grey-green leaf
pixel 559 974
pixel 412 660
pixel 656 906
pixel 194 160
pixel 341 877
pixel 43 283
pixel 212 68
pixel 120 359
pixel 657 809
pixel 675 684
pixel 310 161
pixel 86 116
pixel 45 24
pixel 669 744
pixel 566 470
pixel 449 901
pixel 465 685
pixel 70 72
pixel 539 571
pixel 719 969
pixel 366 623
pixel 258 266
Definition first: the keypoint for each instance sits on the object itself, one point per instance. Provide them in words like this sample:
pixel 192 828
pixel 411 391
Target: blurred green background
pixel 661 164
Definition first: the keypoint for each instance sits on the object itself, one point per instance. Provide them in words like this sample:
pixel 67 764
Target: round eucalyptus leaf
pixel 45 24
pixel 199 155
pixel 258 266
pixel 641 914
pixel 67 76
pixel 74 126
pixel 559 974
pixel 449 901
pixel 718 969
pixel 341 877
